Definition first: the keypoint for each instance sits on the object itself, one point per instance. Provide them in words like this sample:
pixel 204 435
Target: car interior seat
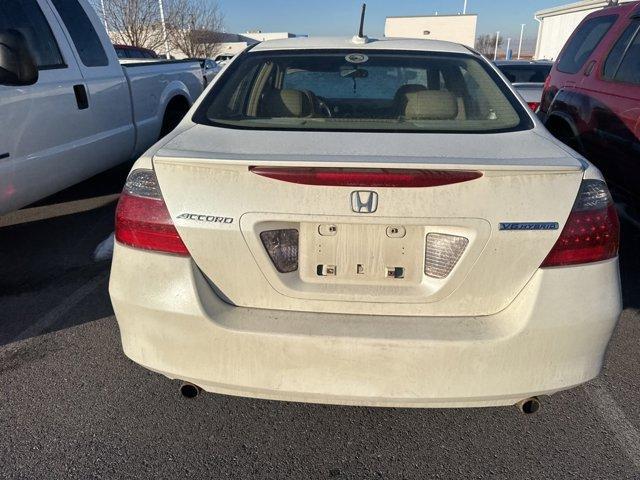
pixel 286 103
pixel 431 105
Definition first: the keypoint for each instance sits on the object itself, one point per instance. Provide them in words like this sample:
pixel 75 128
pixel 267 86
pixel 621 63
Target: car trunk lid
pixel 371 261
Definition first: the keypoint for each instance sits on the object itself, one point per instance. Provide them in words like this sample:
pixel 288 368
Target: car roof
pixel 523 62
pixel 631 8
pixel 347 43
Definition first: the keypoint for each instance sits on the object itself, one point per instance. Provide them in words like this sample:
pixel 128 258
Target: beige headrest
pixel 408 88
pixel 286 103
pixel 431 105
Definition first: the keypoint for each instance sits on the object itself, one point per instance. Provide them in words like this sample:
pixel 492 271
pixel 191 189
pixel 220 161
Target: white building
pixel 452 28
pixel 233 44
pixel 558 23
pixel 261 36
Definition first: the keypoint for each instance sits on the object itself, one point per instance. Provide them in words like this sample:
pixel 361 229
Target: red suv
pixel 591 99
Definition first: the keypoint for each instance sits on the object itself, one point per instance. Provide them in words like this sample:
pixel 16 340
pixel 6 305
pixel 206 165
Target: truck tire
pixel 173 115
pixel 563 131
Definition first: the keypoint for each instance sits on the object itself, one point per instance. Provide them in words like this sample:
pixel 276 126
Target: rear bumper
pixel 552 337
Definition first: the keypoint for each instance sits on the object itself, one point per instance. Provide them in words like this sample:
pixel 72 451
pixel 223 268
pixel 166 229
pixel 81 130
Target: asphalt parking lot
pixel 72 406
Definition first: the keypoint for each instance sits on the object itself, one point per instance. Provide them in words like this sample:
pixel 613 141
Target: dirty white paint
pixel 499 329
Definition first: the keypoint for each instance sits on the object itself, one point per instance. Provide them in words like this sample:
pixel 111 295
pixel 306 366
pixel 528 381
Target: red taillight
pixel 533 105
pixel 361 177
pixel 592 231
pixel 142 218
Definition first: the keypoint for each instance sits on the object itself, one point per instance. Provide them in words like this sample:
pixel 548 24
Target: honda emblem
pixel 363 201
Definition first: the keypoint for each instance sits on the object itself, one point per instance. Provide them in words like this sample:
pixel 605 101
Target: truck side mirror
pixel 17 65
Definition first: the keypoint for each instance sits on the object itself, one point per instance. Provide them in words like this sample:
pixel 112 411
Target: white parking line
pixel 57 313
pixel 626 434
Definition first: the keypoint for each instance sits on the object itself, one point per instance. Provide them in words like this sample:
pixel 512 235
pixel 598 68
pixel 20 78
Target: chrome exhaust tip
pixel 189 390
pixel 529 406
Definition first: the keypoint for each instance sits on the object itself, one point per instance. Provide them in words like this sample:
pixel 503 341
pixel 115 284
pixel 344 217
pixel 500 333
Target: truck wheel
pixel 560 129
pixel 173 115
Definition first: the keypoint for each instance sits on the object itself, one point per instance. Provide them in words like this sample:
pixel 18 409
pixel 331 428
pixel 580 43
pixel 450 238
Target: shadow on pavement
pixel 104 183
pixel 630 259
pixel 47 263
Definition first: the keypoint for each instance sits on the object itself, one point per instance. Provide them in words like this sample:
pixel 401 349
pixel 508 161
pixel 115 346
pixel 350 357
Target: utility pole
pixel 507 56
pixel 464 10
pixel 164 30
pixel 104 17
pixel 495 55
pixel 520 44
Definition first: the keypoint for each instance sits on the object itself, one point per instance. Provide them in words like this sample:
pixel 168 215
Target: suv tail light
pixel 533 105
pixel 142 218
pixel 592 231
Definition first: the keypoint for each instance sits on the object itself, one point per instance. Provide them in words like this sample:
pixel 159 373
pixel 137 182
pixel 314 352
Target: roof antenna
pixel 361 38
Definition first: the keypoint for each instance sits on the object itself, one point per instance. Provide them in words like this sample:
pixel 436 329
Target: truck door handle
pixel 81 96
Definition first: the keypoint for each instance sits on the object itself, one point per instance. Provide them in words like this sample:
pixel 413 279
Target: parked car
pixel 369 222
pixel 128 51
pixel 223 60
pixel 527 77
pixel 209 70
pixel 592 98
pixel 69 110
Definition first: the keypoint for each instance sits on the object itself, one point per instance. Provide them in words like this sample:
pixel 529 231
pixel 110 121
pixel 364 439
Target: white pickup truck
pixel 68 108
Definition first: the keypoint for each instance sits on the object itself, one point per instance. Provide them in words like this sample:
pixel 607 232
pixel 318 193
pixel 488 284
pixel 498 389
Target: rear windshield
pixel 362 91
pixel 526 73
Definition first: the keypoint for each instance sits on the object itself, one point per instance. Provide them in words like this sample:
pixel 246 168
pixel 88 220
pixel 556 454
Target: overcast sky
pixel 340 17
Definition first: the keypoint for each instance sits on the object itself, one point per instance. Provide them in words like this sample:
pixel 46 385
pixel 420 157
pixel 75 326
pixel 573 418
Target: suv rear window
pixel 623 63
pixel 620 48
pixel 526 73
pixel 629 70
pixel 362 91
pixel 583 42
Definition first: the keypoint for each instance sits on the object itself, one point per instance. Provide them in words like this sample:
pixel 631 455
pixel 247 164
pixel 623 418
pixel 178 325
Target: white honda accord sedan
pixel 374 222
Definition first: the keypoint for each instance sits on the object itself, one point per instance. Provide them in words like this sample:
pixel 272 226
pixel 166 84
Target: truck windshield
pixel 362 91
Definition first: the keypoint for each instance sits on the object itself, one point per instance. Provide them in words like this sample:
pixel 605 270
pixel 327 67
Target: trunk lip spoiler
pixel 567 164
